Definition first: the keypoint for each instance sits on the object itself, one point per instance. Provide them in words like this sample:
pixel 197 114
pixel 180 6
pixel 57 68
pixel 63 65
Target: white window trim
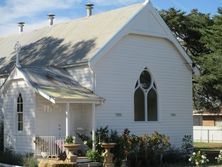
pixel 146 91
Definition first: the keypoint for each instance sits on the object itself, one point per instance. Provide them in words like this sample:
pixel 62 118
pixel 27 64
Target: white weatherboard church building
pixel 121 68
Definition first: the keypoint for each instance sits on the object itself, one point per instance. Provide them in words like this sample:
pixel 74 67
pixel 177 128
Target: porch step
pixel 90 164
pixel 85 162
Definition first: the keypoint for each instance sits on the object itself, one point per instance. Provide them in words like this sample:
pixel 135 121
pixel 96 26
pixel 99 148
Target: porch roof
pixel 56 84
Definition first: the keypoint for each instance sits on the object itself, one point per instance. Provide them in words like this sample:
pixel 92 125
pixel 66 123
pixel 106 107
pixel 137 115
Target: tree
pixel 200 35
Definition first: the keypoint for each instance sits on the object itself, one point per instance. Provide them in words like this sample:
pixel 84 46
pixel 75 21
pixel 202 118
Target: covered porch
pixel 54 122
pixel 63 108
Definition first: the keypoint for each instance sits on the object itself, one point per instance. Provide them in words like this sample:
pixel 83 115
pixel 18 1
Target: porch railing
pixel 51 145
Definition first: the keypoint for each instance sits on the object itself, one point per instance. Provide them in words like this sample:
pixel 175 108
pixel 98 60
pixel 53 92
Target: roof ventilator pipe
pixel 21 25
pixel 89 7
pixel 51 19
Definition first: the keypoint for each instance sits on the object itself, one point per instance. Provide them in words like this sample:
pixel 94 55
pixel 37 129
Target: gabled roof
pixel 80 41
pixel 65 43
pixel 56 85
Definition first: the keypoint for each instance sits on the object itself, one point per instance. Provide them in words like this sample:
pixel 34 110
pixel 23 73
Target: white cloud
pixel 13 10
pixel 19 8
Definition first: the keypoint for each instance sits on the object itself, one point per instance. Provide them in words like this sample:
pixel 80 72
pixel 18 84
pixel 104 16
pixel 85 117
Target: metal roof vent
pixel 89 7
pixel 51 19
pixel 21 25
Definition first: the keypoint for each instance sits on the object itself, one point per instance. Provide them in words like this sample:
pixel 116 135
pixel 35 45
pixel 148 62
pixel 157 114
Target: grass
pixel 208 146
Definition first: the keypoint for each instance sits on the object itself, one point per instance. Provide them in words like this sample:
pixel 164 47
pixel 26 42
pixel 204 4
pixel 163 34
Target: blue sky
pixel 34 12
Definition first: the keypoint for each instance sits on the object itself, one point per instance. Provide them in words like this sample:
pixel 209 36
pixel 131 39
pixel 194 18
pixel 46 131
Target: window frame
pixel 153 85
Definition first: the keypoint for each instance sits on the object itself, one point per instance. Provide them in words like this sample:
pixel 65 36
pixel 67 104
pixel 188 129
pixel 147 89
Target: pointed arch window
pixel 145 98
pixel 20 112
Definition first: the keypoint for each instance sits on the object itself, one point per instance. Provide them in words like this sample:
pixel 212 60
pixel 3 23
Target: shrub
pixel 86 140
pixel 102 135
pixel 159 143
pixel 30 161
pixel 187 144
pixel 69 140
pixel 122 141
pixel 8 156
pixel 139 151
pixel 94 156
pixel 219 157
pixel 173 156
pixel 198 159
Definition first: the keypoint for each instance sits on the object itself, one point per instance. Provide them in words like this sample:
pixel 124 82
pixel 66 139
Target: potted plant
pixel 71 146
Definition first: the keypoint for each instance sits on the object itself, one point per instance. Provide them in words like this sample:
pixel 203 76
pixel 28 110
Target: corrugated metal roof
pixel 65 43
pixel 57 84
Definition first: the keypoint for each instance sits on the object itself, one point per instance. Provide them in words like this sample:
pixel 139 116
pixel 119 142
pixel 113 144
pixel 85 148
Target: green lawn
pixel 208 146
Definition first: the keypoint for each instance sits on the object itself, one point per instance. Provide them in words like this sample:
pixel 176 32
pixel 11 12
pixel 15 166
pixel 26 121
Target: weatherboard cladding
pixel 65 43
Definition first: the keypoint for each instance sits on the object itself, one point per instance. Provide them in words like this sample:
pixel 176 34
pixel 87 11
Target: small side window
pixel 20 112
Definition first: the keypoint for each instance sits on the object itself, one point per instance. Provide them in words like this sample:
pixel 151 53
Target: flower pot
pixel 108 156
pixel 70 148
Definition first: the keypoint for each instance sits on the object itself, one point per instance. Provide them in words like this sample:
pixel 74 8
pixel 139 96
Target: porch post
pixel 67 118
pixel 93 126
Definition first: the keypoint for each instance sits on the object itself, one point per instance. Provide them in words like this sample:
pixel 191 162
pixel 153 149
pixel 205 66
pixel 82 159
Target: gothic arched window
pixel 145 98
pixel 20 112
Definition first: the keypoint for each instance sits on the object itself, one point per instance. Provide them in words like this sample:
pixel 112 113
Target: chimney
pixel 51 18
pixel 89 7
pixel 21 25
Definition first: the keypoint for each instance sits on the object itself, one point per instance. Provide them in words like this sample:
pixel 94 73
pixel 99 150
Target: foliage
pixel 219 157
pixel 86 140
pixel 146 149
pixel 198 159
pixel 94 156
pixel 187 144
pixel 8 156
pixel 102 135
pixel 69 140
pixel 173 156
pixel 150 149
pixel 30 161
pixel 137 150
pixel 200 35
pixel 159 143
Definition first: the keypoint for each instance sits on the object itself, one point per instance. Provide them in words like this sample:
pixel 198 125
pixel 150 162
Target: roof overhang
pixel 83 101
pixel 55 100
